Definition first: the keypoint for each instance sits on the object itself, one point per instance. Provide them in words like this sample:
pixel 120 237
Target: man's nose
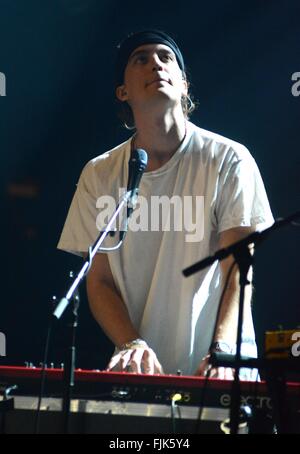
pixel 156 63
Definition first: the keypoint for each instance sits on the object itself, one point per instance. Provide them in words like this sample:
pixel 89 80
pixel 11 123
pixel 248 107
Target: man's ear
pixel 185 87
pixel 121 93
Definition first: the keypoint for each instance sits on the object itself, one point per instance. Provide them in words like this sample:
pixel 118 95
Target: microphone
pixel 137 164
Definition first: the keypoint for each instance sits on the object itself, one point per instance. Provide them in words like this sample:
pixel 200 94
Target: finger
pixel 113 361
pixel 203 366
pixel 224 373
pixel 210 372
pixel 136 359
pixel 157 366
pixel 220 373
pixel 253 376
pixel 151 365
pixel 148 362
pixel 119 361
pixel 125 359
pixel 201 371
pixel 228 373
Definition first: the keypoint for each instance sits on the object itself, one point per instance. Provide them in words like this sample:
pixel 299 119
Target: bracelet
pixel 135 343
pixel 221 346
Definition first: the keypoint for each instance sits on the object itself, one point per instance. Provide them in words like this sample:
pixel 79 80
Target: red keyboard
pixel 142 388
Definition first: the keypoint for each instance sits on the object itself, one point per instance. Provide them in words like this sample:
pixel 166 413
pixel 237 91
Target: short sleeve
pixel 80 230
pixel 241 197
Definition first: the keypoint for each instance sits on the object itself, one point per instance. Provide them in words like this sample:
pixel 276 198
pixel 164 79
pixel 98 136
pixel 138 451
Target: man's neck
pixel 160 137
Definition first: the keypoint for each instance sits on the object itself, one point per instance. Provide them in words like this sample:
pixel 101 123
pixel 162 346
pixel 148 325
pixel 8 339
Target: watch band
pixel 135 343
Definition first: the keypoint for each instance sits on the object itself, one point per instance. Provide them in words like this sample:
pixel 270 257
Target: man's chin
pixel 162 94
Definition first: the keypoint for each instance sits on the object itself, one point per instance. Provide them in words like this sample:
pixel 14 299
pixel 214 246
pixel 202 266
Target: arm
pixel 106 304
pixel 111 313
pixel 226 329
pixel 228 317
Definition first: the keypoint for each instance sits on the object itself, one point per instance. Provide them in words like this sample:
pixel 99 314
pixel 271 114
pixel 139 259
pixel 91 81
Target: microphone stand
pixel 69 366
pixel 137 164
pixel 64 302
pixel 243 257
pixel 275 370
pixel 72 293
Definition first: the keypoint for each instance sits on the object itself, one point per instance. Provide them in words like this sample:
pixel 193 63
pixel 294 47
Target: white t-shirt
pixel 214 185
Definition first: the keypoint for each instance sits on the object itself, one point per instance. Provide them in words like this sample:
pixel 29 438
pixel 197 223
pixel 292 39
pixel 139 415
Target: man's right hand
pixel 139 359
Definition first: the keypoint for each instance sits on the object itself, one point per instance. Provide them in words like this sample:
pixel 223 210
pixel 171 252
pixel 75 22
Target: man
pixel 158 320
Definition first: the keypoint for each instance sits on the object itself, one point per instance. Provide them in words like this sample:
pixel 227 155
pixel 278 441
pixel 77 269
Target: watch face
pixel 221 347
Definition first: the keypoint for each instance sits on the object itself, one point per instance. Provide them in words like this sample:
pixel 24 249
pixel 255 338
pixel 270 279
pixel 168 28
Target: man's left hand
pixel 225 373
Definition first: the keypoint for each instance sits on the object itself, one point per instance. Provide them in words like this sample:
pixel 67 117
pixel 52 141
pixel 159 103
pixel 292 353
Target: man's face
pixel 152 75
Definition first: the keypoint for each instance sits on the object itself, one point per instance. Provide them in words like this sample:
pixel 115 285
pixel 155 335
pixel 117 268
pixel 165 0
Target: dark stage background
pixel 59 112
